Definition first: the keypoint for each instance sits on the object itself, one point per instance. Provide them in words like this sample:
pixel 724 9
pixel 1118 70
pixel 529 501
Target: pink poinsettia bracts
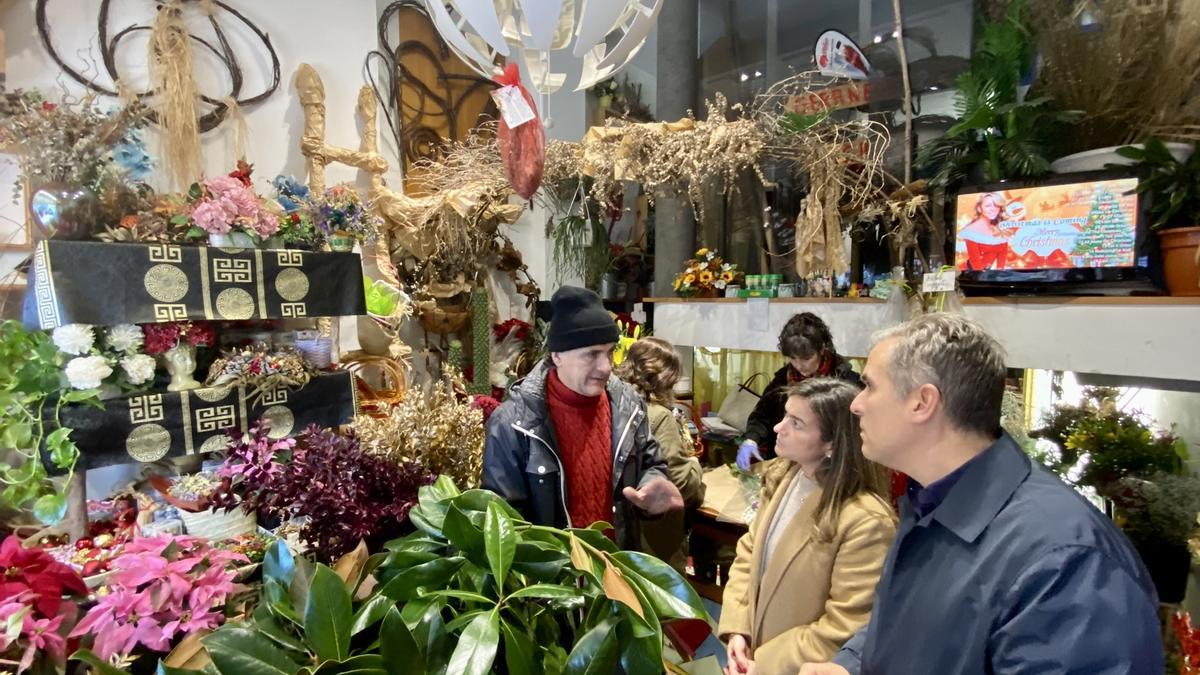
pixel 161 589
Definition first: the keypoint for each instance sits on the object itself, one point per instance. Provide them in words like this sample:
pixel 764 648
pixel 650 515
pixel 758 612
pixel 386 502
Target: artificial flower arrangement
pixel 342 217
pixel 228 205
pixel 37 605
pixel 706 275
pixel 296 226
pixel 105 356
pixel 161 589
pixel 345 493
pixel 261 368
pixel 72 142
pixel 161 338
pixel 509 352
pixel 176 342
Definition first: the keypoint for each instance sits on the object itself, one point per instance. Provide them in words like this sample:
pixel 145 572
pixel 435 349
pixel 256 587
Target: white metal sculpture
pixel 481 31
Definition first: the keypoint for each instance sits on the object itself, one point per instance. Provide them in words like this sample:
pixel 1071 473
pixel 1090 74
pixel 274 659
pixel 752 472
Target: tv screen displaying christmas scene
pixel 1064 226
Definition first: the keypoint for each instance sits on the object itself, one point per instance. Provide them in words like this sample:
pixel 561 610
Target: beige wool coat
pixel 812 595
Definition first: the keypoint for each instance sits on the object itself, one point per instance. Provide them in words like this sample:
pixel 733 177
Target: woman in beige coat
pixel 652 367
pixel 804 578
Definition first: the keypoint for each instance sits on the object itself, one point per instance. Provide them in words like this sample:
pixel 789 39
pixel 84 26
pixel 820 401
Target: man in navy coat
pixel 998 566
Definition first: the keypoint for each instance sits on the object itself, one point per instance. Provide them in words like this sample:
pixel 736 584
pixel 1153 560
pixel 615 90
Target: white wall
pixel 332 37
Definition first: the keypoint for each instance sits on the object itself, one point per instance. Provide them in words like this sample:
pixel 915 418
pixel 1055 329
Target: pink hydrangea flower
pixel 222 184
pixel 267 225
pixel 243 200
pixel 210 217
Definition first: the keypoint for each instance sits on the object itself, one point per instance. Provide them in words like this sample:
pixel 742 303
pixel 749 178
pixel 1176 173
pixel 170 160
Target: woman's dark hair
pixel 805 336
pixel 845 473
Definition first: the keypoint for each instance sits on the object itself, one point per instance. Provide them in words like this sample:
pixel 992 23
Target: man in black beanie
pixel 571 445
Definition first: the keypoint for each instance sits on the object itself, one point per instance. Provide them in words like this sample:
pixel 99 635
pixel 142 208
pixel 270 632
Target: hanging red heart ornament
pixel 521 137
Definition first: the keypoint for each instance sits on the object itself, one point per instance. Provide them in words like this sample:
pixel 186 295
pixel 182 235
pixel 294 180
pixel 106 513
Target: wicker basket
pixel 217 525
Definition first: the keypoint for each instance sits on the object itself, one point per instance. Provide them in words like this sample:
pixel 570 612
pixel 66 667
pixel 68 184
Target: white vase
pixel 180 362
pixel 231 240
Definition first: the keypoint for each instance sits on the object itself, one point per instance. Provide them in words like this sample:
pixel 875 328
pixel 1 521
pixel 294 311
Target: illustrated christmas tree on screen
pixel 1102 235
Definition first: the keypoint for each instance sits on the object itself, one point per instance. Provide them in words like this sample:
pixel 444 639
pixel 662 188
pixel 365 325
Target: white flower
pixel 719 283
pixel 75 339
pixel 710 255
pixel 139 368
pixel 126 338
pixel 86 372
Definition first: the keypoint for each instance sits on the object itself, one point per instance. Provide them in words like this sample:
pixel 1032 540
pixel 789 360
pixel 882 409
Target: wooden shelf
pixel 734 301
pixel 1157 300
pixel 1148 337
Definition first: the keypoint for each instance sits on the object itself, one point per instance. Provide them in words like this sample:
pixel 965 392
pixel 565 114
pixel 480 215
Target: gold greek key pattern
pixel 232 271
pixel 205 287
pixel 262 291
pixel 213 419
pixel 165 253
pixel 287 258
pixel 148 408
pixel 275 396
pixel 43 288
pixel 292 310
pixel 170 312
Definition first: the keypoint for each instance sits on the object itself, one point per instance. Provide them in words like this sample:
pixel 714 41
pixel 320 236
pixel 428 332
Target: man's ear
pixel 925 402
pixel 556 358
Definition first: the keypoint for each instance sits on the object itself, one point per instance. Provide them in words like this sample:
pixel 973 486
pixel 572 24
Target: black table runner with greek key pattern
pixel 149 426
pixel 105 284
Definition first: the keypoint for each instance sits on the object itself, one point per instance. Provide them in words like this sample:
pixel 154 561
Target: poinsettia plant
pixel 706 273
pixel 33 607
pixel 161 589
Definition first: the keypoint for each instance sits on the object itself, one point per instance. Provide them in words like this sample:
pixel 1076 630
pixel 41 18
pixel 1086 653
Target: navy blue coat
pixel 1013 572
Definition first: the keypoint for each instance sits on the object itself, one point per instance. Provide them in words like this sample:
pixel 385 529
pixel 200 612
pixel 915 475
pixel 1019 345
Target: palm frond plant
pixel 997 130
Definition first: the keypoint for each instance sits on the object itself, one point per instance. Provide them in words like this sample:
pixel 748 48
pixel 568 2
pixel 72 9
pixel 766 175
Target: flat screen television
pixel 1080 233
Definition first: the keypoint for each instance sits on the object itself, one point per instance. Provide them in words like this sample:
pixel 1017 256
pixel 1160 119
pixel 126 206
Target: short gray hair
pixel 960 358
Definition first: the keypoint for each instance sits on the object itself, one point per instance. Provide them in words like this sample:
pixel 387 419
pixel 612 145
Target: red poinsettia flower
pixel 24 570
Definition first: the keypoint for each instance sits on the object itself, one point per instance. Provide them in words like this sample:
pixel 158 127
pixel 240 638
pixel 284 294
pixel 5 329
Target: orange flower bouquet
pixel 706 275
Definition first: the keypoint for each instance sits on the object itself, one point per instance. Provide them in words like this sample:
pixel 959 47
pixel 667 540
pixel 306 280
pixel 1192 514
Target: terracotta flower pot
pixel 1181 265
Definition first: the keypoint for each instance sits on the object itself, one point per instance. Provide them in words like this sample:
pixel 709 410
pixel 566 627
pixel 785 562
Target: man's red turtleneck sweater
pixel 583 426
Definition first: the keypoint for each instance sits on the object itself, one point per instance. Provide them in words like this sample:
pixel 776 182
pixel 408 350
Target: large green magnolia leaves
pixel 366 664
pixel 328 617
pixel 399 647
pixel 433 574
pixel 518 649
pixel 669 594
pixel 597 651
pixel 98 664
pixel 500 541
pixel 476 649
pixel 237 650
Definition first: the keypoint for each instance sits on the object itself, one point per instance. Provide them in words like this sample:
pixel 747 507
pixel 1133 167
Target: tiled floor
pixel 712 646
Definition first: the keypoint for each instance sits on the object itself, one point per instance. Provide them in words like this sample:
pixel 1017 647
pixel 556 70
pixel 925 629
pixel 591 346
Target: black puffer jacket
pixel 760 426
pixel 521 460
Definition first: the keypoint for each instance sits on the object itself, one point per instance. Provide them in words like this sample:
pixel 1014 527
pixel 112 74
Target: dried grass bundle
pixel 1133 73
pixel 171 78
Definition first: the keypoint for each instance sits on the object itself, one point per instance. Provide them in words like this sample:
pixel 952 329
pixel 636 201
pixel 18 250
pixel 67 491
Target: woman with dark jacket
pixel 808 346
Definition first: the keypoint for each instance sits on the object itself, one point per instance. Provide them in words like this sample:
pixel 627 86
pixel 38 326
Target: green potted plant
pixel 474 590
pixel 1125 460
pixel 32 380
pixel 1174 189
pixel 999 134
pixel 1159 515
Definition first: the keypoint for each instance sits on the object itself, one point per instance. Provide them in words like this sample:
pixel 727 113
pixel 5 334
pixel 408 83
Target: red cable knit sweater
pixel 583 425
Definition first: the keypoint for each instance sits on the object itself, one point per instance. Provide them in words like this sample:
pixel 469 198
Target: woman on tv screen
pixel 985 237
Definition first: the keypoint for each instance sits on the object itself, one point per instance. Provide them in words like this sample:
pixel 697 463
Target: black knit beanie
pixel 579 320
